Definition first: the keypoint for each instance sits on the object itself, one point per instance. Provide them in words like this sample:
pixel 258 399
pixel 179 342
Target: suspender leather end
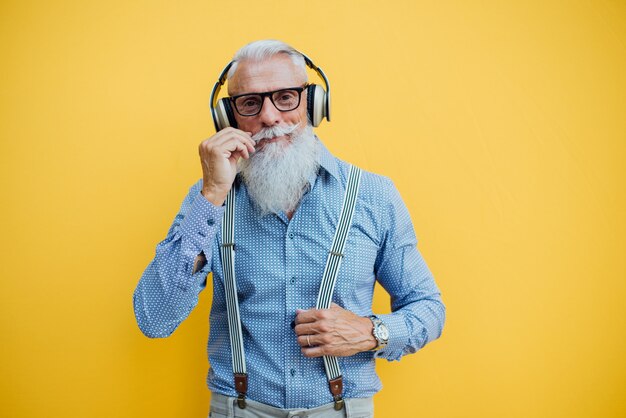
pixel 241 386
pixel 336 388
pixel 241 383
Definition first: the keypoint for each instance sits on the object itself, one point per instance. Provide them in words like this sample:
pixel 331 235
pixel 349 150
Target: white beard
pixel 276 176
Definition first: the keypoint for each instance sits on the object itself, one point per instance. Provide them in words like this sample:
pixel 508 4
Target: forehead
pixel 260 76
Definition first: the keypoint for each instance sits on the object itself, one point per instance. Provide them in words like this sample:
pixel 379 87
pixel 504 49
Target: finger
pixel 222 137
pixel 307 340
pixel 306 329
pixel 219 142
pixel 237 149
pixel 246 137
pixel 248 144
pixel 231 147
pixel 321 326
pixel 312 352
pixel 250 141
pixel 305 316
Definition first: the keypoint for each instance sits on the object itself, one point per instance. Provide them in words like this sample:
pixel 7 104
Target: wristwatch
pixel 380 332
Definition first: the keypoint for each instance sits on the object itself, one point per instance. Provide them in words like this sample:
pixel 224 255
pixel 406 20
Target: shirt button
pixel 293 372
pixel 293 279
pixel 291 235
pixel 210 222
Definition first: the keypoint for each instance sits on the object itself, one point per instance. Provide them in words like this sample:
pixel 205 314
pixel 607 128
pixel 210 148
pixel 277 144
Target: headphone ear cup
pixel 224 115
pixel 316 104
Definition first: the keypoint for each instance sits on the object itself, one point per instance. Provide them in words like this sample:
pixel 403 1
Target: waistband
pixel 353 408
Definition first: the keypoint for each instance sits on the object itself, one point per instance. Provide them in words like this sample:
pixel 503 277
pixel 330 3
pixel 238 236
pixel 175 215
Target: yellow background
pixel 502 124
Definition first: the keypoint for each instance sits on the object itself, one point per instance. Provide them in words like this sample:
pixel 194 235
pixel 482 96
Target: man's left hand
pixel 333 332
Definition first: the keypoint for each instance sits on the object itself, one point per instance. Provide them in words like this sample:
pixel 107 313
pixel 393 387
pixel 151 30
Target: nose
pixel 269 115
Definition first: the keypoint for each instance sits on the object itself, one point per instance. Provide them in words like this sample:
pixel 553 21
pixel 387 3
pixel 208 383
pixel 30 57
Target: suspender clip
pixel 241 401
pixel 339 403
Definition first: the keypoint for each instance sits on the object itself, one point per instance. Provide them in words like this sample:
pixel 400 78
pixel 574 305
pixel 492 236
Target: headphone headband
pixel 216 90
pixel 321 74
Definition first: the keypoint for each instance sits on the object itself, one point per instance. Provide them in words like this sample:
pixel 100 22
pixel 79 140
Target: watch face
pixel 383 332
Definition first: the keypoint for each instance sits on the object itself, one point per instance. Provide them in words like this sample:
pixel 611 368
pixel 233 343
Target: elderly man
pixel 291 326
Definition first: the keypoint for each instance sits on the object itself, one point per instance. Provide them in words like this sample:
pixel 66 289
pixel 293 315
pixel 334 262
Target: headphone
pixel 317 100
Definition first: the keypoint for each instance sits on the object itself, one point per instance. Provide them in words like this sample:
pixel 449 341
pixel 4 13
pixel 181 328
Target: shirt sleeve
pixel 168 289
pixel 418 313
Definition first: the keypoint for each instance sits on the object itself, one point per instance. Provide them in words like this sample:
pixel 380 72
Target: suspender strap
pixel 227 251
pixel 324 298
pixel 331 271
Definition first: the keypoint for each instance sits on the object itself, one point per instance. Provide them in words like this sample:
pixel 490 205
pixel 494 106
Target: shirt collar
pixel 327 162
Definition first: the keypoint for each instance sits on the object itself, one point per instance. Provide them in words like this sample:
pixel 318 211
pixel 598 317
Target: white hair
pixel 261 50
pixel 277 175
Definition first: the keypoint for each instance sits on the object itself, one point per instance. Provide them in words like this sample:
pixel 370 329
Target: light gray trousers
pixel 226 407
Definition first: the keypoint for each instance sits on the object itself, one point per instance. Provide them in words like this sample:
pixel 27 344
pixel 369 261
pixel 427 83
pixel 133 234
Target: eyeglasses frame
pixel 268 94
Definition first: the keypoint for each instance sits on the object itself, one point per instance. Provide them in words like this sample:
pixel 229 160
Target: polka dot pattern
pixel 279 265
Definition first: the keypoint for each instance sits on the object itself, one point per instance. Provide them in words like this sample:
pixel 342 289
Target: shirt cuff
pixel 398 337
pixel 201 223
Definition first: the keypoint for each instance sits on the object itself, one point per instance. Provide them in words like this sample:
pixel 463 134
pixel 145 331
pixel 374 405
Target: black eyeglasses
pixel 250 104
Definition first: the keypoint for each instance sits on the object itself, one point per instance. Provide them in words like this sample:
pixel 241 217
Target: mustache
pixel 274 131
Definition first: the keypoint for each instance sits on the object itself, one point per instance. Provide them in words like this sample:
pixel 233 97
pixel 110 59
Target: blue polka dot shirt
pixel 279 265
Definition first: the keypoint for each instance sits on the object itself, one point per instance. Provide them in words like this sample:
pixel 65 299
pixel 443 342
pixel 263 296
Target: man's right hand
pixel 219 155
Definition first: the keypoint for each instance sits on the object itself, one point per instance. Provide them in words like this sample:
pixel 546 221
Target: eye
pixel 286 98
pixel 250 102
pixel 287 95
